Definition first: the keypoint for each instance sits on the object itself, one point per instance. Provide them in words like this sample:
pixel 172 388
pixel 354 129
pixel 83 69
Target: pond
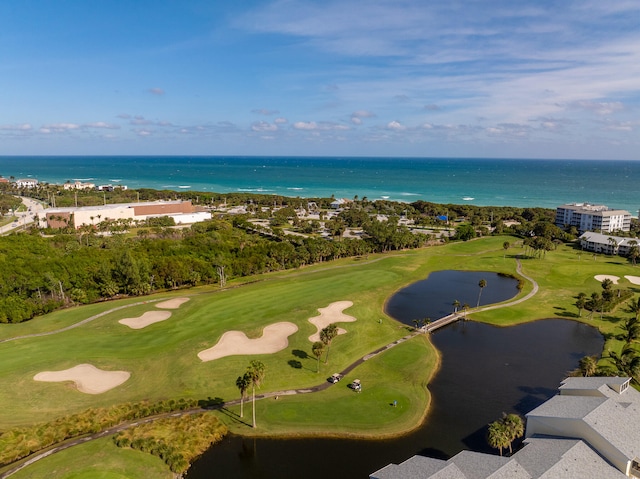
pixel 485 370
pixel 433 297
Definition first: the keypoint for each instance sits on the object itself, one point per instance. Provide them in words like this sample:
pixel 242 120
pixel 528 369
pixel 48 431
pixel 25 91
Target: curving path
pixel 321 387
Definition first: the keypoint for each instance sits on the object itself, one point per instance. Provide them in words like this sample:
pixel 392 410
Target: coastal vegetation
pixel 43 271
pixel 177 441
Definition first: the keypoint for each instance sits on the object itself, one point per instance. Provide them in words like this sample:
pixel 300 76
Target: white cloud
pixel 601 108
pixel 396 126
pixel 60 127
pixel 102 124
pixel 305 125
pixel 263 126
pixel 281 121
pixel 23 127
pixel 156 91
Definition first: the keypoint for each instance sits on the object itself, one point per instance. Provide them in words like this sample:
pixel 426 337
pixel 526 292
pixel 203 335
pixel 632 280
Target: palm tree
pixel 242 383
pixel 456 305
pixel 627 363
pixel 482 284
pixel 504 431
pixel 514 426
pixel 255 372
pixel 588 365
pixel 581 303
pixel 634 308
pixel 631 330
pixel 318 349
pixel 634 252
pixel 498 436
pixel 326 336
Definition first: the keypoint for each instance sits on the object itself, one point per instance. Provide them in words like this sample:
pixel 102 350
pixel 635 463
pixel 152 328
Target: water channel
pixel 485 370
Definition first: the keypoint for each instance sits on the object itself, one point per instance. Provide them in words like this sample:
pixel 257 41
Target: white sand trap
pixel 273 339
pixel 146 319
pixel 602 277
pixel 331 314
pixel 633 279
pixel 88 378
pixel 174 303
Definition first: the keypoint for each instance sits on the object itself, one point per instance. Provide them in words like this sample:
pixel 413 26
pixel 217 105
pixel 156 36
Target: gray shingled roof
pixel 613 416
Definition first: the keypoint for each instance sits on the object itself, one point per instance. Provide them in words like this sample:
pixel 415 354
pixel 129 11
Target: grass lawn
pixel 163 362
pixel 99 459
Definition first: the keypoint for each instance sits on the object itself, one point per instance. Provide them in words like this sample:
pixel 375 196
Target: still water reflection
pixel 485 370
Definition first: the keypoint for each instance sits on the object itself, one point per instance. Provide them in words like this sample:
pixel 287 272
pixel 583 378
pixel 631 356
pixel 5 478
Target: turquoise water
pixel 483 182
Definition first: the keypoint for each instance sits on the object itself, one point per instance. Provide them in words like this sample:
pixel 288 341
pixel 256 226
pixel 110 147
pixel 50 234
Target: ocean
pixel 477 181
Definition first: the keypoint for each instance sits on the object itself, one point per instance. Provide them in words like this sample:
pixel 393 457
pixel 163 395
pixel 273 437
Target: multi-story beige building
pixel 588 217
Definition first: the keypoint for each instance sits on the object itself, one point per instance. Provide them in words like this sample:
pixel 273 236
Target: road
pixel 24 218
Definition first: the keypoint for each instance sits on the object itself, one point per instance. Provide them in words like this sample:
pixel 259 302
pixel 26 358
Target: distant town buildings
pixel 78 185
pixel 588 217
pixel 590 429
pixel 27 183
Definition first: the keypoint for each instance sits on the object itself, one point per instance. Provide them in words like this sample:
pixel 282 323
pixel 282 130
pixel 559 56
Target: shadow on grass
pixel 236 417
pixel 298 353
pixel 211 403
pixel 294 364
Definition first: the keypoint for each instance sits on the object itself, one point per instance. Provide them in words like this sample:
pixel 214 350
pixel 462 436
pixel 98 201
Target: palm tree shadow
pixel 234 417
pixel 298 353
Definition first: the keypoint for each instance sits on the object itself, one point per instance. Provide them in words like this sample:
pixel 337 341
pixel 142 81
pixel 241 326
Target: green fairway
pixel 163 362
pixel 99 459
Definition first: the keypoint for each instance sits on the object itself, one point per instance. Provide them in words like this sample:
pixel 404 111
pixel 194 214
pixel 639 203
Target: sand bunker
pixel 633 279
pixel 602 277
pixel 331 314
pixel 273 339
pixel 146 319
pixel 88 378
pixel 174 303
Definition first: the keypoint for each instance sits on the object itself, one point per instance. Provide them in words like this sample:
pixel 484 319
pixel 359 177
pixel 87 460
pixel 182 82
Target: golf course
pixel 193 343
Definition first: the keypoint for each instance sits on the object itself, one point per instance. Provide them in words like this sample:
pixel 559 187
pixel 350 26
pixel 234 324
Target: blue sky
pixel 472 78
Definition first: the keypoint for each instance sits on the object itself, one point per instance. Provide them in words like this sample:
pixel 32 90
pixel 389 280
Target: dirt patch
pixel 602 277
pixel 146 319
pixel 88 378
pixel 274 338
pixel 174 303
pixel 331 314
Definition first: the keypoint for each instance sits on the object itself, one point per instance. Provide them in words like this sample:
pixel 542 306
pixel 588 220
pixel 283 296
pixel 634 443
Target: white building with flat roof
pixel 588 217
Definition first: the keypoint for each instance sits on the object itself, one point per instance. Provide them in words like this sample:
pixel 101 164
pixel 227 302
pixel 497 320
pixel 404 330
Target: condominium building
pixel 591 429
pixel 588 217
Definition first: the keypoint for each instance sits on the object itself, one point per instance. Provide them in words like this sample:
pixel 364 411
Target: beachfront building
pixel 607 244
pixel 183 212
pixel 27 183
pixel 588 217
pixel 78 185
pixel 590 429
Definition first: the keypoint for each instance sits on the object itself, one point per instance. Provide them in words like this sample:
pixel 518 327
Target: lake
pixel 485 370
